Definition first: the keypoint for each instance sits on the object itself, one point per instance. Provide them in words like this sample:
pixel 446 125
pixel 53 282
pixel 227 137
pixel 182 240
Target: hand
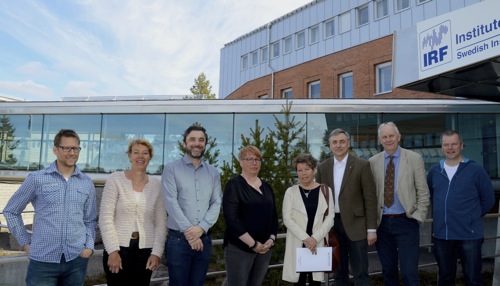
pixel 261 248
pixel 193 232
pixel 153 262
pixel 311 243
pixel 114 262
pixel 196 244
pixel 86 253
pixel 269 243
pixel 26 249
pixel 372 238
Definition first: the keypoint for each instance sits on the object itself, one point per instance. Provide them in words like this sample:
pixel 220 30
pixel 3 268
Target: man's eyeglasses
pixel 67 149
pixel 254 160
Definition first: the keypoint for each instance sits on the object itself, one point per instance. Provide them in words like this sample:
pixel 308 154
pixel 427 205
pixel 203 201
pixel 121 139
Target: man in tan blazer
pixel 405 205
pixel 355 207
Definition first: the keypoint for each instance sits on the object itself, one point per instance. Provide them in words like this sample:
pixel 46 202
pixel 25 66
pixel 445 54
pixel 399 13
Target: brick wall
pixel 361 60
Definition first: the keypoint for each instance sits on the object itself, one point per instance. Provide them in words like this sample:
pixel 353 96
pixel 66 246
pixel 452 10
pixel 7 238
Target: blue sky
pixel 53 49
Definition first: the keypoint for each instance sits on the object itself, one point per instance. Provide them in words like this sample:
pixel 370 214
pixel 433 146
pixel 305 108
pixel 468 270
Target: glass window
pixel 287 45
pixel 402 4
pixel 286 93
pixel 422 133
pixel 88 128
pixel 264 54
pixel 362 13
pixel 244 62
pixel 255 58
pixel 381 9
pixel 300 39
pixel 422 1
pixel 264 96
pixel 329 31
pixel 346 88
pixel 314 89
pixel 276 49
pixel 219 128
pixel 384 77
pixel 345 22
pixel 20 142
pixel 116 135
pixel 313 34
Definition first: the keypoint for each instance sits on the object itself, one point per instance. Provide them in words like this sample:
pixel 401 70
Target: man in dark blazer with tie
pixel 355 200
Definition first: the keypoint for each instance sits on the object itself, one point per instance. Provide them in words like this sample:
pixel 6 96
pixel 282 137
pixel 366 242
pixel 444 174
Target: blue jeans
pixel 355 252
pixel 186 267
pixel 398 238
pixel 64 273
pixel 447 253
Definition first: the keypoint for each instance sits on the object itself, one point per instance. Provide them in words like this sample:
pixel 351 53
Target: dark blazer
pixel 357 197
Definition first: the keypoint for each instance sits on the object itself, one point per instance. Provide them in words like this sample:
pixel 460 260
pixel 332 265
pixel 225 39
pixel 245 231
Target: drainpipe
pixel 269 57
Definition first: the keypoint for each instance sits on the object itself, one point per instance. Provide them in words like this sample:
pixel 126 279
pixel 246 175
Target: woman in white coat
pixel 304 208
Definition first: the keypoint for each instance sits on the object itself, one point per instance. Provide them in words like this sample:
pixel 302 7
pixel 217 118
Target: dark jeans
pixel 186 267
pixel 447 253
pixel 398 238
pixel 64 273
pixel 355 252
pixel 244 268
pixel 134 262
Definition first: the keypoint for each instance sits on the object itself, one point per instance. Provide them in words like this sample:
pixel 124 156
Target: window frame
pixel 377 14
pixel 398 9
pixel 287 42
pixel 310 87
pixel 342 86
pixel 362 9
pixel 285 91
pixel 276 49
pixel 264 54
pixel 325 28
pixel 342 22
pixel 303 42
pixel 378 83
pixel 244 62
pixel 254 58
pixel 314 32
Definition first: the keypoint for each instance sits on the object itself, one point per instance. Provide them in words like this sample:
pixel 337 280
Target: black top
pixel 310 198
pixel 246 210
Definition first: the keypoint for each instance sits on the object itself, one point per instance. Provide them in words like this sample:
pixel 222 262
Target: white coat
pixel 295 220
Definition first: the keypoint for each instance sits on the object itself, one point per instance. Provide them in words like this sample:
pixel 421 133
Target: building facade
pixel 326 49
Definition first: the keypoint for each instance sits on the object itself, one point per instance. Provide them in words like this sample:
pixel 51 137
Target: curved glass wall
pixel 26 141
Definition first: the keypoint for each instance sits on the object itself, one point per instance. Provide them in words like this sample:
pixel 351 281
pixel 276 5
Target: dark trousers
pixel 187 267
pixel 245 268
pixel 398 239
pixel 355 252
pixel 64 273
pixel 447 253
pixel 134 262
pixel 307 277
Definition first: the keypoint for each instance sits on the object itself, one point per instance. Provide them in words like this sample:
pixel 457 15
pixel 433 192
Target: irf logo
pixel 435 46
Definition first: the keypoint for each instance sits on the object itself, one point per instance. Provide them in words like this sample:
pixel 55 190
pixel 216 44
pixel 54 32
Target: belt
pixel 135 235
pixel 395 215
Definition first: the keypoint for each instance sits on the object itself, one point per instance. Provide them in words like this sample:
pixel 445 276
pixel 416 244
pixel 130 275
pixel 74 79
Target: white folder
pixel 308 262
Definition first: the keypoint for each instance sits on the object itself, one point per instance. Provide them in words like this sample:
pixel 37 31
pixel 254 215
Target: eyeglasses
pixel 254 160
pixel 67 149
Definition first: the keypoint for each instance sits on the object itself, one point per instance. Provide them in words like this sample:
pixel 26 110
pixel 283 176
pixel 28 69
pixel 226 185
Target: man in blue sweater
pixel 461 194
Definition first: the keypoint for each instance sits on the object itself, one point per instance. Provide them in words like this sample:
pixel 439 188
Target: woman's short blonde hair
pixel 140 141
pixel 249 150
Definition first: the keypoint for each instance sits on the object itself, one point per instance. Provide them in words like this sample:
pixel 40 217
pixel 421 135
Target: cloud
pixel 132 47
pixel 26 89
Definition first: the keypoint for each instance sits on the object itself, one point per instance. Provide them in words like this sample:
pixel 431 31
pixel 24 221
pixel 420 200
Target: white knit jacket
pixel 119 210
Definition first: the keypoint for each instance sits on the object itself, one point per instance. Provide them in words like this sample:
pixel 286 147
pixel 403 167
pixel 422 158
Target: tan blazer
pixel 412 189
pixel 357 197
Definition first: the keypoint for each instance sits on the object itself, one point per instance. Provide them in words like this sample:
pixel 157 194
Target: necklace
pixel 305 191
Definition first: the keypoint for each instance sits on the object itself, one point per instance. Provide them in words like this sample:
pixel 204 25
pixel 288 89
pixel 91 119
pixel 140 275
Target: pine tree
pixel 202 89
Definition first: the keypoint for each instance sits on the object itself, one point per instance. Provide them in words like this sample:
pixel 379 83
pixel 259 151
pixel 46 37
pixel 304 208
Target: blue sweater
pixel 459 205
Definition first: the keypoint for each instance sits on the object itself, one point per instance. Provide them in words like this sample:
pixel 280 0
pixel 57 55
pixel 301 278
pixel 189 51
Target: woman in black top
pixel 251 222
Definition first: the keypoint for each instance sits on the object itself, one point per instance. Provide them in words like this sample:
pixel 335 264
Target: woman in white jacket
pixel 132 220
pixel 304 208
